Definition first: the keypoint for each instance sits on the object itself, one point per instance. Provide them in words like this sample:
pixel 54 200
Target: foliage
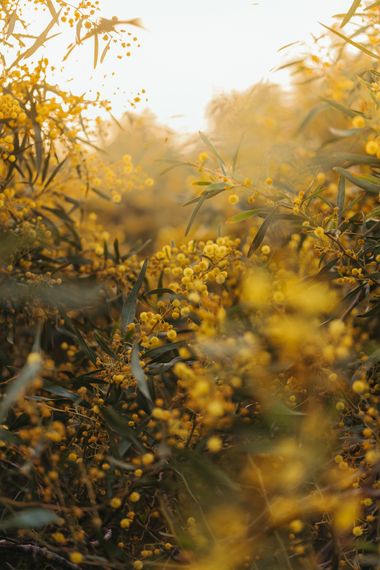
pixel 208 400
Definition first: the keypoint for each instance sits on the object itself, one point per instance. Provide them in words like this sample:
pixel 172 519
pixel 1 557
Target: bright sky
pixel 194 49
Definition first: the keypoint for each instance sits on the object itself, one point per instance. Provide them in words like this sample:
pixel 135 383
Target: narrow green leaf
pixel 351 12
pixel 259 237
pixel 373 214
pixel 309 117
pixel 361 181
pixel 339 107
pixel 160 291
pixel 195 212
pixel 128 311
pixel 159 351
pixel 28 373
pixel 344 133
pixel 139 373
pixel 54 173
pixel 81 341
pixel 174 164
pixel 212 190
pixel 352 42
pixel 104 345
pixel 101 193
pixel 30 518
pixel 247 214
pixel 119 424
pixel 236 154
pixel 116 249
pixel 341 198
pixel 209 144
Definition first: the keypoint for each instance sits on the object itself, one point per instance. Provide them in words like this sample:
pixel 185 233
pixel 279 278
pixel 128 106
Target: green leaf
pixel 90 353
pixel 54 173
pixel 236 154
pixel 120 425
pixel 212 190
pixel 352 42
pixel 128 311
pixel 242 216
pixel 101 194
pixel 116 249
pixel 10 437
pixel 339 107
pixel 344 133
pixel 375 213
pixel 310 116
pixel 139 373
pixel 28 373
pixel 161 291
pixel 195 212
pixel 341 198
pixel 59 391
pixel 259 237
pixel 209 144
pixel 158 351
pixel 365 182
pixel 30 518
pixel 174 164
pixel 104 345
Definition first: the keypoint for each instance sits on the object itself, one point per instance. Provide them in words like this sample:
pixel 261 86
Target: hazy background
pixel 193 50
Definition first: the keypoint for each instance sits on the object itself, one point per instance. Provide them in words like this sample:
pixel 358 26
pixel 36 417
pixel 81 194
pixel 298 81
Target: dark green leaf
pixel 259 237
pixel 368 184
pixel 139 373
pixel 120 425
pixel 128 311
pixel 341 198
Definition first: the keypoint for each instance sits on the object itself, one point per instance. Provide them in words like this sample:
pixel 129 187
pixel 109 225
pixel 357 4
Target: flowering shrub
pixel 211 402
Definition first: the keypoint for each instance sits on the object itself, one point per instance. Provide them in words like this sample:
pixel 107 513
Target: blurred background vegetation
pixel 189 324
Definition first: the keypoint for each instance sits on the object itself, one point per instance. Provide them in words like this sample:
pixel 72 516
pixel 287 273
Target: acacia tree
pixel 214 405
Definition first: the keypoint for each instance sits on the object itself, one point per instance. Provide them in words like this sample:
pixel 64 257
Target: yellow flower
pixel 115 502
pixel 76 557
pixel 233 199
pixel 134 497
pixel 125 523
pixel 214 444
pixel 371 147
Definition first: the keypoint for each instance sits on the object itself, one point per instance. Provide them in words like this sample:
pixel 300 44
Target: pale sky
pixel 193 49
